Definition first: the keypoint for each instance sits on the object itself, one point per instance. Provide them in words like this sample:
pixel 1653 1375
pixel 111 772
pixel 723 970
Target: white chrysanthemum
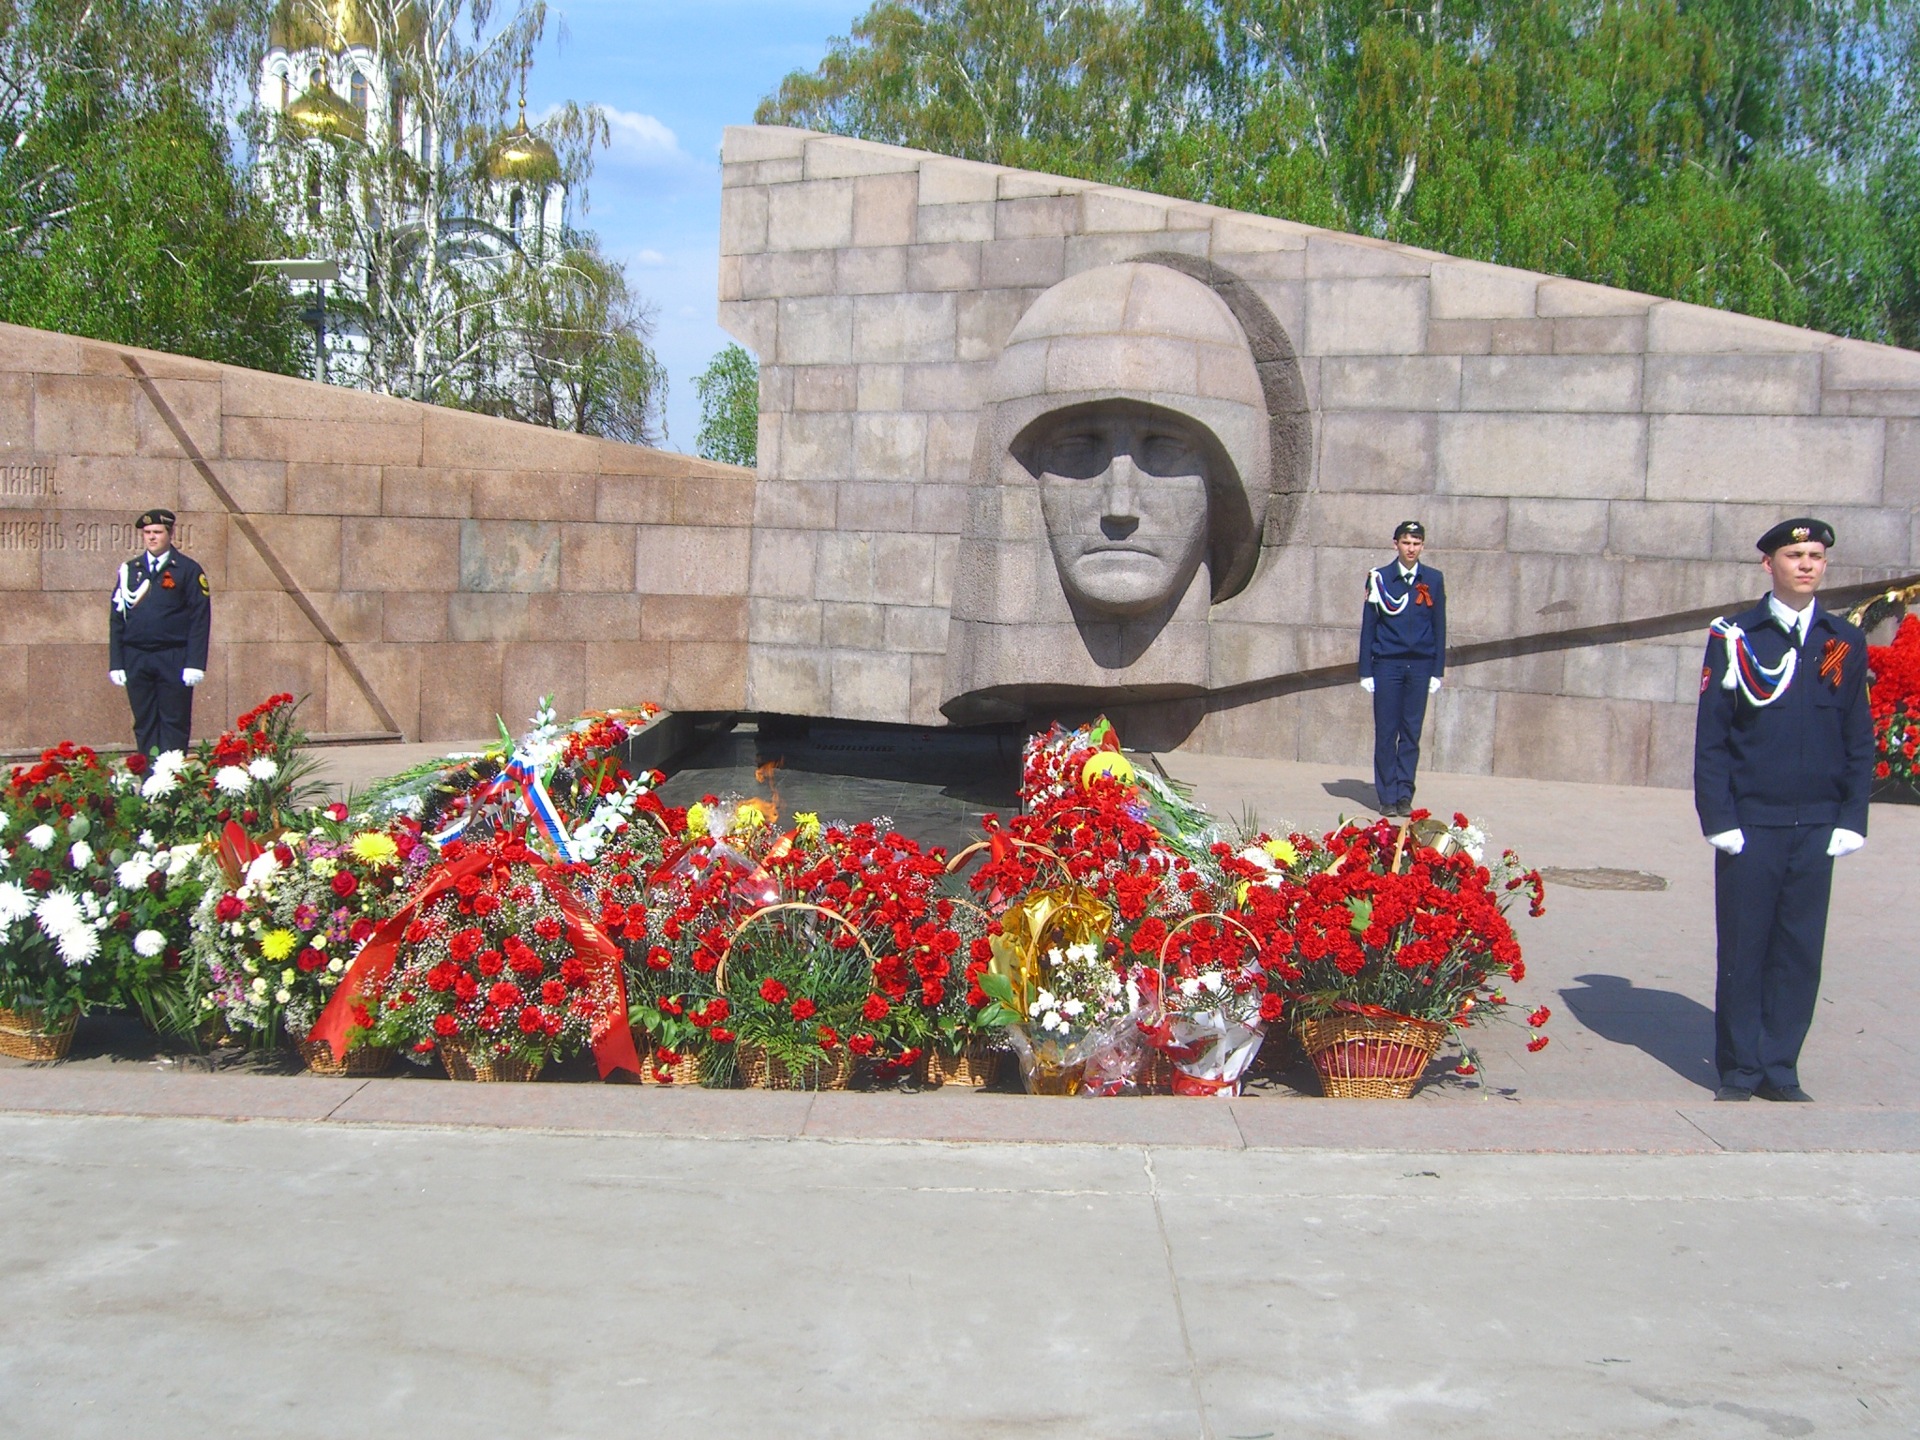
pixel 40 837
pixel 174 760
pixel 77 947
pixel 133 874
pixel 160 784
pixel 179 858
pixel 149 943
pixel 5 820
pixel 265 768
pixel 58 913
pixel 231 780
pixel 15 903
pixel 146 841
pixel 81 855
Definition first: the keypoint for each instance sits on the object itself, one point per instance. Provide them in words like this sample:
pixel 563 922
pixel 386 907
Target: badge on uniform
pixel 1422 595
pixel 205 589
pixel 166 581
pixel 1706 678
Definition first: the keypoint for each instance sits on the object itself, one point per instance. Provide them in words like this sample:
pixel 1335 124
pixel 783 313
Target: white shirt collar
pixel 1796 623
pixel 1407 574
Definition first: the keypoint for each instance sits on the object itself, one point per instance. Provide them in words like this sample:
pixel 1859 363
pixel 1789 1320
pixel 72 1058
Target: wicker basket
pixel 461 1065
pixel 761 1071
pixel 684 1071
pixel 972 1067
pixel 362 1062
pixel 24 1036
pixel 1364 1057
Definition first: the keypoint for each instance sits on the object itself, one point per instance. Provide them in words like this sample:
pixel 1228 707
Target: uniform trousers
pixel 1770 908
pixel 162 702
pixel 1399 712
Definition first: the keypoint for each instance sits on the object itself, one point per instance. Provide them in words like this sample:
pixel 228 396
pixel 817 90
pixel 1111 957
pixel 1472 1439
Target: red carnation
pixel 463 945
pixel 465 987
pixel 485 903
pixel 721 1036
pixel 489 963
pixel 344 883
pixel 547 928
pixel 827 1036
pixel 532 1022
pixel 772 991
pixel 876 1009
pixel 804 1009
pixel 862 1044
pixel 553 992
pixel 1537 1044
pixel 445 1025
pixel 1539 1017
pixel 659 958
pixel 1272 1007
pixel 504 996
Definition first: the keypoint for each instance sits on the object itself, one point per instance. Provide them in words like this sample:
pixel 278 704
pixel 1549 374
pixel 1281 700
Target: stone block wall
pixel 1592 465
pixel 412 569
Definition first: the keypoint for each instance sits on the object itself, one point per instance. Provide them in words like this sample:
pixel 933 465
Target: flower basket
pixel 1368 1057
pixel 762 1071
pixel 973 1067
pixel 24 1035
pixel 362 1062
pixel 463 1064
pixel 685 1070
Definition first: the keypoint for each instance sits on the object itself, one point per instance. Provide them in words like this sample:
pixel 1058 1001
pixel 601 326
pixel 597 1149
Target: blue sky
pixel 671 77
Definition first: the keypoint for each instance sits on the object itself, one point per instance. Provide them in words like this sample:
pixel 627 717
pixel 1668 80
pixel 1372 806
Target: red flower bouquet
pixel 494 964
pixel 1895 698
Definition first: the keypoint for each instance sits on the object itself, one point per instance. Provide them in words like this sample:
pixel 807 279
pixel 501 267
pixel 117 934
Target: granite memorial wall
pixel 977 382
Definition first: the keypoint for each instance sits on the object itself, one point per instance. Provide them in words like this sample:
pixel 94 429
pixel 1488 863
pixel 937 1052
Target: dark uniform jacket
pixel 1805 759
pixel 1418 632
pixel 168 611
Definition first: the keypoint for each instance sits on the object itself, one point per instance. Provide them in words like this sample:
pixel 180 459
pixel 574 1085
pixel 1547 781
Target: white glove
pixel 1844 842
pixel 119 677
pixel 1730 842
pixel 1366 684
pixel 192 677
pixel 1433 685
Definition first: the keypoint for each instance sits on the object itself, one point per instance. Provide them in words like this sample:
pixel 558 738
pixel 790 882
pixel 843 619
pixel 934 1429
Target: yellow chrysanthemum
pixel 372 848
pixel 808 824
pixel 696 820
pixel 1281 852
pixel 751 815
pixel 278 944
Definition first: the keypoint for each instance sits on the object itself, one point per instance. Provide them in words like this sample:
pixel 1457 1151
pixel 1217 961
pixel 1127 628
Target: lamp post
pixel 319 272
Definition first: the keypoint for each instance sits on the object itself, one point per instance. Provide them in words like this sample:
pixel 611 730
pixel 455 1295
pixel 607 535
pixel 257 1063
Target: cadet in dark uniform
pixel 1403 654
pixel 157 629
pixel 1782 766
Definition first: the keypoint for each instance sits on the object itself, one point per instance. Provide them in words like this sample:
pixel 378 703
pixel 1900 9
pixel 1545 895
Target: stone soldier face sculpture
pixel 1121 473
pixel 1123 491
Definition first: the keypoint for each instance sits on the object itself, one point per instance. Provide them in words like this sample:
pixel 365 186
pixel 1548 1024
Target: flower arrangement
pixel 493 961
pixel 91 905
pixel 252 775
pixel 278 924
pixel 1895 698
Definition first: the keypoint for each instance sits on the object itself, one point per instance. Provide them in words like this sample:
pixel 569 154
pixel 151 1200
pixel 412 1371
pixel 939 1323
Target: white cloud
pixel 641 138
pixel 647 259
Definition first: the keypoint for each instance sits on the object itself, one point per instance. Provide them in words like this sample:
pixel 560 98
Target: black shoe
pixel 1733 1092
pixel 1782 1092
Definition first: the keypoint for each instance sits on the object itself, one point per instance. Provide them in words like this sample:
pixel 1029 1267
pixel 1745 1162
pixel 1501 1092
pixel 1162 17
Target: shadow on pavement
pixel 1676 1031
pixel 1359 791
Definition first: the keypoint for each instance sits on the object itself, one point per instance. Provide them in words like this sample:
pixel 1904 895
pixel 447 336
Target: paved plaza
pixel 1587 1245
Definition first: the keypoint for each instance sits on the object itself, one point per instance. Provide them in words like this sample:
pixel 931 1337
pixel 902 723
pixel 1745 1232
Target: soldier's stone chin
pixel 1124 579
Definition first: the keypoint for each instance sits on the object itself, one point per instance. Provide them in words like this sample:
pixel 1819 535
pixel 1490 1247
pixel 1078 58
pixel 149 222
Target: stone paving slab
pixel 310 1281
pixel 1495 1125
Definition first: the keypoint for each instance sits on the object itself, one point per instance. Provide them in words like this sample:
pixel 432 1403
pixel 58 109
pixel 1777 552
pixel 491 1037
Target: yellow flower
pixel 809 825
pixel 278 944
pixel 696 820
pixel 751 815
pixel 1281 852
pixel 373 848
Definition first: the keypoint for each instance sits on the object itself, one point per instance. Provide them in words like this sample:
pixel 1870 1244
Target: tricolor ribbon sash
pixel 1833 661
pixel 522 779
pixel 1761 684
pixel 1377 596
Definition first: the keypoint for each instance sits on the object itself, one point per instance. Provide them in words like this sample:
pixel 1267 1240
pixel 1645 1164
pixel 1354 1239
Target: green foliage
pixel 729 391
pixel 1756 155
pixel 121 217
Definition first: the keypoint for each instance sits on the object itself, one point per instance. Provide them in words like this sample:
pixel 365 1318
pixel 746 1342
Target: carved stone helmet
pixel 1145 336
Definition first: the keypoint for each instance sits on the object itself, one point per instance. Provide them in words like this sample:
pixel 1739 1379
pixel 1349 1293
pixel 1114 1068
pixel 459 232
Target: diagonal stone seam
pixel 244 523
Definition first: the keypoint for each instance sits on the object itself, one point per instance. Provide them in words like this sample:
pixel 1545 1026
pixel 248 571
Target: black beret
pixel 1796 532
pixel 1410 527
pixel 154 517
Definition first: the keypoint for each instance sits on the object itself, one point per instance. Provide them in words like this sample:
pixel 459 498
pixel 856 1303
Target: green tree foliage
pixel 729 391
pixel 121 217
pixel 1756 155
